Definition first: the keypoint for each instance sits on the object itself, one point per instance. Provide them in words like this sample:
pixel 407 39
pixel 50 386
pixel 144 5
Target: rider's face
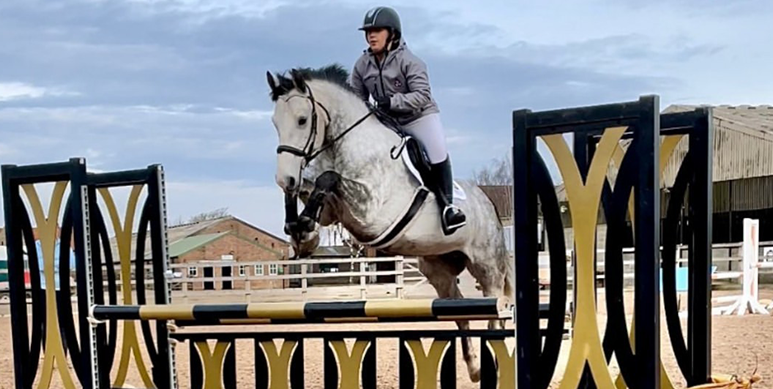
pixel 376 39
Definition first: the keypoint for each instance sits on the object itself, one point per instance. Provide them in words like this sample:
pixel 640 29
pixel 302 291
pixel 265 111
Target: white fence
pixel 310 279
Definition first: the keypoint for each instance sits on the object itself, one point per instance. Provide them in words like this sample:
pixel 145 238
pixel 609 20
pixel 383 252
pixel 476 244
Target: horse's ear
pixel 300 83
pixel 272 81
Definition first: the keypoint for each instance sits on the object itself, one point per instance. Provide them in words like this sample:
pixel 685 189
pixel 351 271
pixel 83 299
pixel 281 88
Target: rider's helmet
pixel 383 17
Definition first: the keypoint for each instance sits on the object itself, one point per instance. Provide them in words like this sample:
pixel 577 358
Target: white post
pixel 185 291
pixel 304 281
pixel 363 285
pixel 400 281
pixel 248 290
pixel 751 250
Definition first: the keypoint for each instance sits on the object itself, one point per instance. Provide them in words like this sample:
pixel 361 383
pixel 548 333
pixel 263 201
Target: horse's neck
pixel 356 154
pixel 372 181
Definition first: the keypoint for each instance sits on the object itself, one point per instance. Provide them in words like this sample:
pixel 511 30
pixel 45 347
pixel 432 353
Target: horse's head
pixel 301 123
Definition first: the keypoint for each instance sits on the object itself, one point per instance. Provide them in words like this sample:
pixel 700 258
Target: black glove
pixel 383 102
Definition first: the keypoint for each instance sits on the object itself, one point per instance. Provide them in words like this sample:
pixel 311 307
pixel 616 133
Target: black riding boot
pixel 451 216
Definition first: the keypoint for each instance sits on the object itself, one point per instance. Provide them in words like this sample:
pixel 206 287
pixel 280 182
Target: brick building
pixel 229 240
pixel 214 248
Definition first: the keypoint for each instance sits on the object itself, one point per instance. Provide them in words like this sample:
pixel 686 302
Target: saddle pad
pixel 459 193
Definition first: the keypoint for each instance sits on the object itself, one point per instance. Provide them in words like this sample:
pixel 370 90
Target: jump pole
pixel 311 312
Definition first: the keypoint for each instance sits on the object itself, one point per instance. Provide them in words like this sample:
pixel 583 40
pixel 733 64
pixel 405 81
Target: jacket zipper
pixel 380 74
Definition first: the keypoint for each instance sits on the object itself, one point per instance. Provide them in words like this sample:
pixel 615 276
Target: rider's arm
pixel 417 78
pixel 355 80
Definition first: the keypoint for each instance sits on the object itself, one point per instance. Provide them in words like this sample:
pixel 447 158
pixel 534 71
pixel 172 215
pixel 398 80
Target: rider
pixel 399 83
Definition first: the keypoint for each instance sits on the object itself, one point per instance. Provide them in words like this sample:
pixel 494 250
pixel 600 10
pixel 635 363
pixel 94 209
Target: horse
pixel 348 165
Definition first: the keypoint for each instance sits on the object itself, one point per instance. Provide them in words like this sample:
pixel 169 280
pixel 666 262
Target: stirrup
pixel 450 229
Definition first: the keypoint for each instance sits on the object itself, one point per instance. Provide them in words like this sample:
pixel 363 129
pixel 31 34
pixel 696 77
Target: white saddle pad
pixel 459 193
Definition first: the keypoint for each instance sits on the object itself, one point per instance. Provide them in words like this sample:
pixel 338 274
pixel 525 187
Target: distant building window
pixel 258 270
pixel 242 271
pixel 273 245
pixel 193 271
pixel 273 269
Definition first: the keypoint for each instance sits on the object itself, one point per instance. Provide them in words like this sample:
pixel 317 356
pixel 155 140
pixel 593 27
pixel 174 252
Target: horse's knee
pixel 328 181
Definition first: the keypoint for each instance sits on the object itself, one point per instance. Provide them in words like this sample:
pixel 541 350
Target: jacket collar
pixel 390 54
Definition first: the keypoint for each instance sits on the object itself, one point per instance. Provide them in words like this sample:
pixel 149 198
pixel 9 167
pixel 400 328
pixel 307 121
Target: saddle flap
pixel 417 162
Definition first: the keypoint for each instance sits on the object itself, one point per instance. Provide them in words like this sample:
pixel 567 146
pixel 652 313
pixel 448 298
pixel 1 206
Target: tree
pixel 498 172
pixel 204 216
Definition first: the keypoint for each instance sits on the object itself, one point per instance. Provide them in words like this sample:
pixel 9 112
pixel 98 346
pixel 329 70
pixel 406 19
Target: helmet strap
pixel 392 41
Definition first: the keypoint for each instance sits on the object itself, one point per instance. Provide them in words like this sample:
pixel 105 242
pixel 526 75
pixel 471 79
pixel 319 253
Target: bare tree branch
pixel 211 215
pixel 498 172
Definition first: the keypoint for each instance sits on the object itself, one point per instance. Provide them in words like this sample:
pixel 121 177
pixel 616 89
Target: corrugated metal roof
pixel 743 142
pixel 185 245
pixel 502 197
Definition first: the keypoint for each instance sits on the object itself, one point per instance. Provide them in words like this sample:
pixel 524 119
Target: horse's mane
pixel 334 73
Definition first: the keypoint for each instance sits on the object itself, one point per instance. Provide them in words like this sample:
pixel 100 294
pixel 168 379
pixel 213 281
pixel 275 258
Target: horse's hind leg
pixel 442 272
pixel 492 283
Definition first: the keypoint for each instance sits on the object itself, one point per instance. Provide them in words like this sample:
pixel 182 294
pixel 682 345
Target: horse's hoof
pixel 306 224
pixel 474 374
pixel 304 244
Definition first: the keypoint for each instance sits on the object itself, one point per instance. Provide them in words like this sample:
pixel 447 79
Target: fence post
pixel 304 281
pixel 400 277
pixel 363 285
pixel 248 289
pixel 751 265
pixel 185 290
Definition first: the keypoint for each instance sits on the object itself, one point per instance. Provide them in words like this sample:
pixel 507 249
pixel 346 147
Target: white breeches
pixel 428 130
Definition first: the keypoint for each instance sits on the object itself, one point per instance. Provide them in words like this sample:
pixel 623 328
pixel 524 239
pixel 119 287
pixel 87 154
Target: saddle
pixel 417 162
pixel 413 154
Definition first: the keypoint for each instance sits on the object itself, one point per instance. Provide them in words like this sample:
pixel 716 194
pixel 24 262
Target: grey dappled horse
pixel 341 161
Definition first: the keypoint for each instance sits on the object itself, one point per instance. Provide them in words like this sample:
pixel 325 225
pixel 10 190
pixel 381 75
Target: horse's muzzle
pixel 289 184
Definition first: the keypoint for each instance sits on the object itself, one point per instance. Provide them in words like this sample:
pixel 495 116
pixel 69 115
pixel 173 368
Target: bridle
pixel 308 153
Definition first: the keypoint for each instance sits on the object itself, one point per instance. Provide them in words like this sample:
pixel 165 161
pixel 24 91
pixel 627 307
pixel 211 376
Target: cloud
pixel 244 199
pixel 204 142
pixel 19 91
pixel 127 83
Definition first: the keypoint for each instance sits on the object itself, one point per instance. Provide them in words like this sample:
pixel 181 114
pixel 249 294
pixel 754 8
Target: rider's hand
pixel 383 102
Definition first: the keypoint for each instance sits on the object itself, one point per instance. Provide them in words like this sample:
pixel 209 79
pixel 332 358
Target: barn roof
pixel 502 197
pixel 183 237
pixel 190 243
pixel 743 141
pixel 750 119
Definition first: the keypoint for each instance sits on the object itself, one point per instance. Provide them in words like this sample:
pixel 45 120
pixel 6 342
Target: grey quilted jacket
pixel 403 77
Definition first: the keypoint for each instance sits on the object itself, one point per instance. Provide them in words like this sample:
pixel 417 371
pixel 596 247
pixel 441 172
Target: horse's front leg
pixel 291 213
pixel 303 242
pixel 303 229
pixel 326 184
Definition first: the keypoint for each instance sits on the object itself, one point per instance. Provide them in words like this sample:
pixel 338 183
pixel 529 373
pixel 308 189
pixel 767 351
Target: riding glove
pixel 383 102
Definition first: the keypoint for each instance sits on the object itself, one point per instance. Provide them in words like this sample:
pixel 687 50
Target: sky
pixel 128 83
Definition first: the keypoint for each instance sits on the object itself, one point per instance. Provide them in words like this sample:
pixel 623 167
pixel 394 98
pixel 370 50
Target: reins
pixel 341 135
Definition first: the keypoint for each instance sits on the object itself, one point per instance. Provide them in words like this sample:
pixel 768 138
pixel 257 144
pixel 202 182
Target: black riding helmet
pixel 383 17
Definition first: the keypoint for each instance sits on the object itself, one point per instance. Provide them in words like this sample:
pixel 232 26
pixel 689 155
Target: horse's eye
pixel 302 121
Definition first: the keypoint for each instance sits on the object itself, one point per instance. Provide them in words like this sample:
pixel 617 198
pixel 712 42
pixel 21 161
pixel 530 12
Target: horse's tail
pixel 509 264
pixel 509 288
